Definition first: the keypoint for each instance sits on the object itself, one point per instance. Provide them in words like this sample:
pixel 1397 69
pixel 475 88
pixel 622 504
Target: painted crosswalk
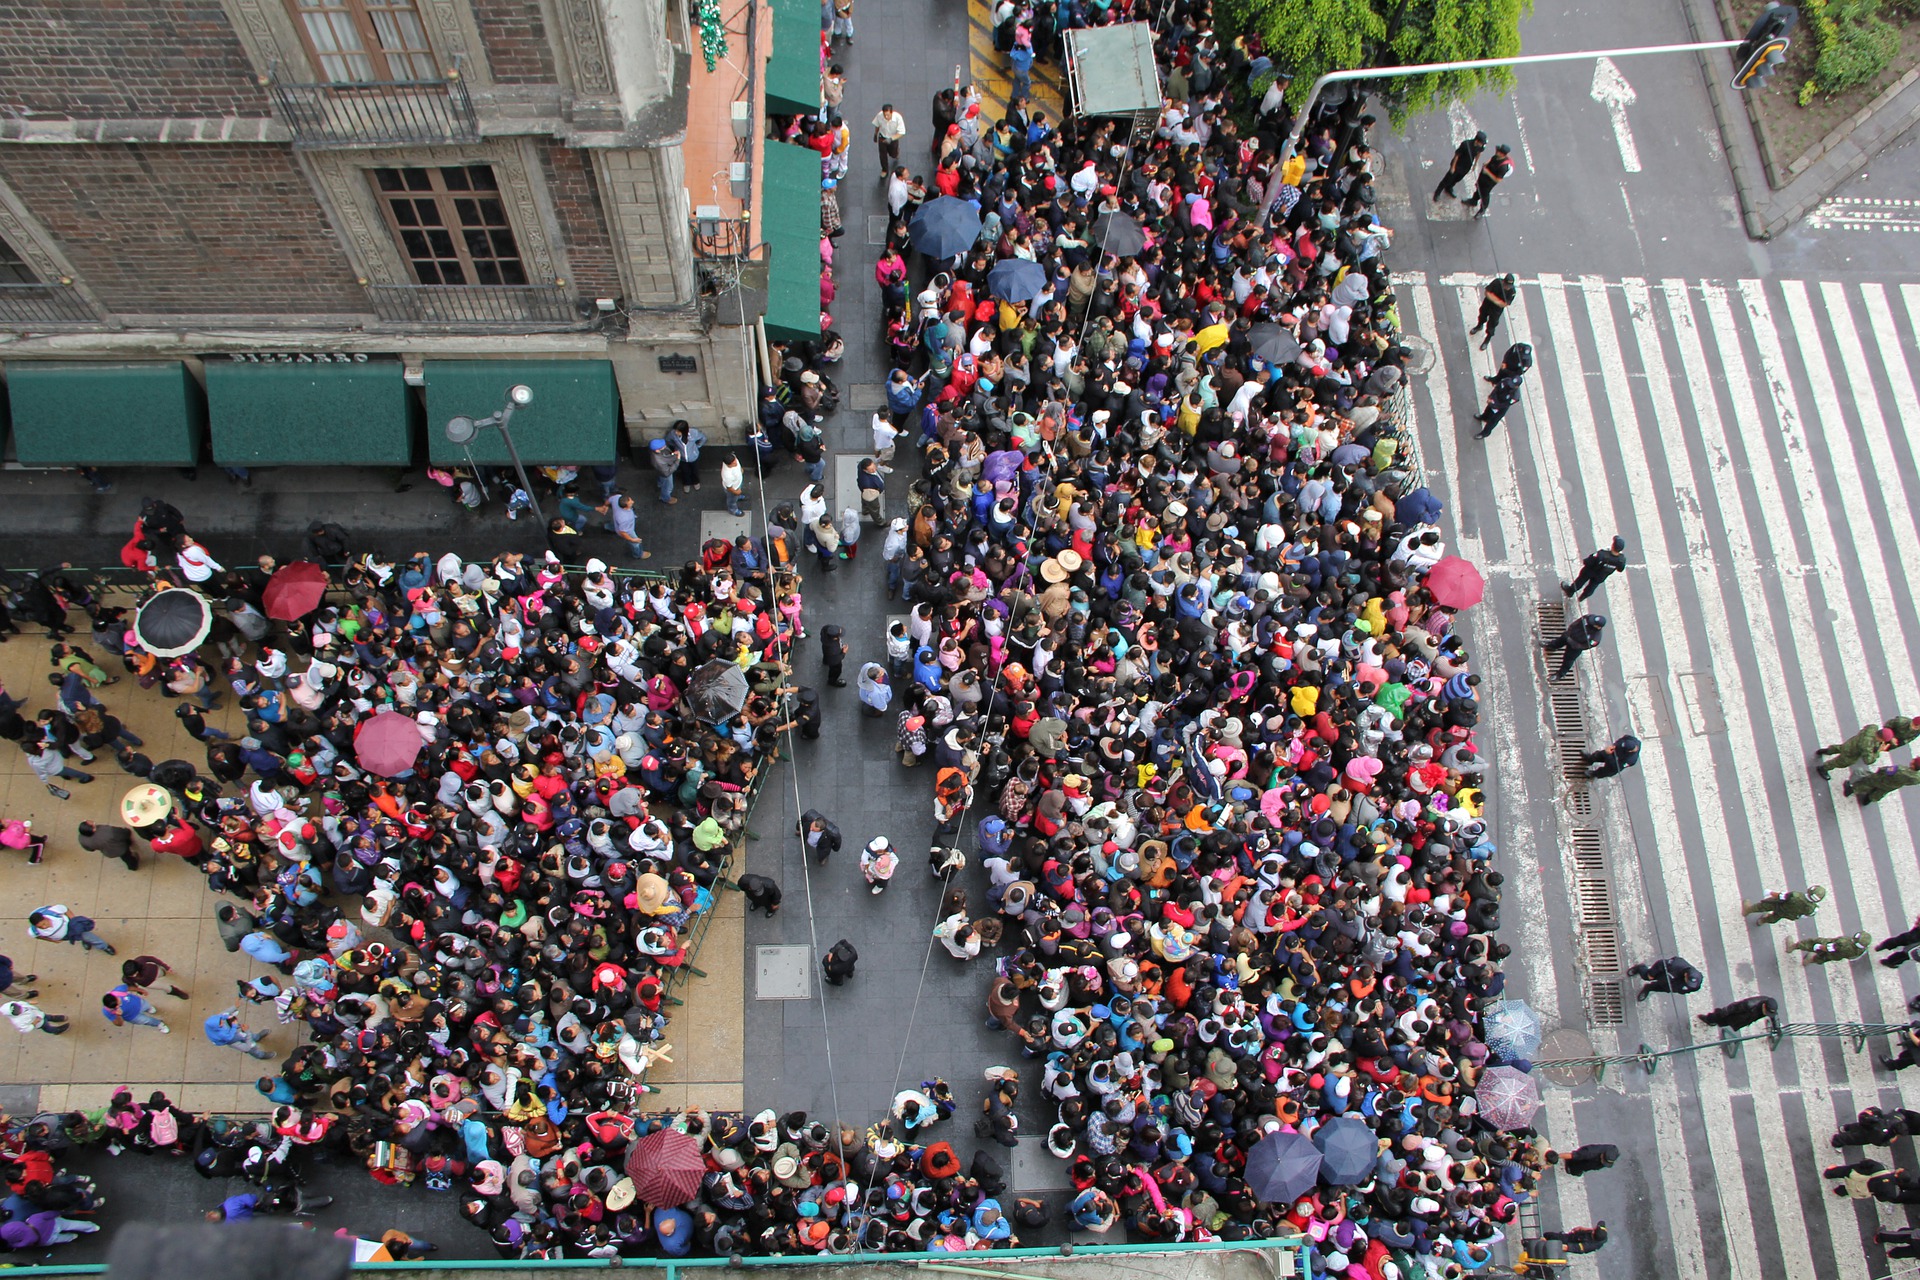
pixel 1757 444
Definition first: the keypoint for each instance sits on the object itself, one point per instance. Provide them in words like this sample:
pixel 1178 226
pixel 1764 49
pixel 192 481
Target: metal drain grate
pixel 1573 761
pixel 1608 1004
pixel 1603 950
pixel 1569 715
pixel 1580 800
pixel 1596 900
pixel 1587 856
pixel 1552 617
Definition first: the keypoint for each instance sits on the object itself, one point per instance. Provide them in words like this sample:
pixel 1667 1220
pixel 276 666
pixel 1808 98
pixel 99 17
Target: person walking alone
pixel 1580 1239
pixel 1591 1158
pixel 889 126
pixel 227 1031
pixel 1741 1014
pixel 839 961
pixel 1582 634
pixel 1610 761
pixel 144 972
pixel 1465 156
pixel 1492 174
pixel 1599 565
pixel 1494 301
pixel 121 1006
pixel 821 836
pixel 1674 975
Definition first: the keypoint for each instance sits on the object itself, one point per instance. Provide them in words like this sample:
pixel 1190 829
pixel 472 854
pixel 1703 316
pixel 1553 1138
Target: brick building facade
pixel 405 182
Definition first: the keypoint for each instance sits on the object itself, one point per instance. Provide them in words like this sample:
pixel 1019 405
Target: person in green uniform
pixel 1783 904
pixel 1881 783
pixel 1864 747
pixel 1828 950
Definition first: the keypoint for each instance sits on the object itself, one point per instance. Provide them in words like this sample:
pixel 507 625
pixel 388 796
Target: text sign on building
pixel 679 364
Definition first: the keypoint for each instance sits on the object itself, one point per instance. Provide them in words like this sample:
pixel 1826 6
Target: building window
pixel 451 224
pixel 12 269
pixel 366 41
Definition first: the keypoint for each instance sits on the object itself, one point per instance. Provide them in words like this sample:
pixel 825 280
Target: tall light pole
pixel 461 431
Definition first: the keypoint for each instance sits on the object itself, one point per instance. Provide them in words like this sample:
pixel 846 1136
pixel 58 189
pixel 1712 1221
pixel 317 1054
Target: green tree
pixel 1310 37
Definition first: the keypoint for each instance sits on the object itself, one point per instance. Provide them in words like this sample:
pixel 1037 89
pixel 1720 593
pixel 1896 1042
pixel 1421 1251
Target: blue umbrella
pixel 945 227
pixel 1512 1030
pixel 1017 280
pixel 1348 1150
pixel 1282 1167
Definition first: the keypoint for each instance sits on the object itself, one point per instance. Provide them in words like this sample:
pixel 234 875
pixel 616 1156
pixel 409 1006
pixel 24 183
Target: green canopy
pixel 574 415
pixel 793 70
pixel 790 224
pixel 304 415
pixel 68 414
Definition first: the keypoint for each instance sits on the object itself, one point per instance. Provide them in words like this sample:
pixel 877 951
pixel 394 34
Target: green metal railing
pixel 1286 1252
pixel 1648 1058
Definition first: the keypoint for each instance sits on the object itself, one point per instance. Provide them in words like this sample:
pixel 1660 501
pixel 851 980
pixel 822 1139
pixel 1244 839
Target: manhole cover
pixel 1567 1042
pixel 866 397
pixel 783 973
pixel 876 228
pixel 1420 353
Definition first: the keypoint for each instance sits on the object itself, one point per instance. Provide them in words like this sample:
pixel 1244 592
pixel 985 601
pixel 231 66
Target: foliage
pixel 1807 91
pixel 1309 37
pixel 713 31
pixel 1855 44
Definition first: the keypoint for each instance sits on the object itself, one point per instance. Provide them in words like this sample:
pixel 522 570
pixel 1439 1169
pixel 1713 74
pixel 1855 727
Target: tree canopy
pixel 1310 37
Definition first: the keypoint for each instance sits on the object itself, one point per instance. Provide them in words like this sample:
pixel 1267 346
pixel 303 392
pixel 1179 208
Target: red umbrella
pixel 388 743
pixel 666 1167
pixel 295 590
pixel 1455 583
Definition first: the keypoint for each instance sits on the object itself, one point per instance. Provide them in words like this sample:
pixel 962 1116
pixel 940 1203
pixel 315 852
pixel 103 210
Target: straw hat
pixel 1070 560
pixel 1053 571
pixel 650 893
pixel 145 805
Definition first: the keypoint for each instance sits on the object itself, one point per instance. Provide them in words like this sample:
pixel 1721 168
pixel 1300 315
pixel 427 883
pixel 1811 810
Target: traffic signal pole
pixel 1476 64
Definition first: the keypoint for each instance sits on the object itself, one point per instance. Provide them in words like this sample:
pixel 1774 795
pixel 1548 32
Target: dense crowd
pixel 1173 658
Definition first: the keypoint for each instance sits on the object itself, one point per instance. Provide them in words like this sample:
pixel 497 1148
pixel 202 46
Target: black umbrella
pixel 173 622
pixel 1017 280
pixel 1348 1149
pixel 1282 1167
pixel 945 227
pixel 1272 343
pixel 1118 234
pixel 717 691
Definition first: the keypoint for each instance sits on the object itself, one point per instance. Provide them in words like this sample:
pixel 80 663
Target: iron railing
pixel 376 114
pixel 1648 1058
pixel 50 303
pixel 476 306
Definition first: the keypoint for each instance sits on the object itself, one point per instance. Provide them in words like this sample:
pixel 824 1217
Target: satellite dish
pixel 461 430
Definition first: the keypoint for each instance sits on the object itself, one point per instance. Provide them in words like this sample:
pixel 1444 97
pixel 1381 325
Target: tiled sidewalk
pixel 165 909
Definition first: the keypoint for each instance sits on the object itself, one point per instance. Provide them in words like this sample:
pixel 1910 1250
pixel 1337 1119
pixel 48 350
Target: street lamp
pixel 461 431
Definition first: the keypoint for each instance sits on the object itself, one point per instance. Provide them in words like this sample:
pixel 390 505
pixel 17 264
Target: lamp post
pixel 461 431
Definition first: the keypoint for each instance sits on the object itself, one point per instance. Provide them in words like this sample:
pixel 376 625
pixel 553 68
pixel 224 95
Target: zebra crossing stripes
pixel 1756 444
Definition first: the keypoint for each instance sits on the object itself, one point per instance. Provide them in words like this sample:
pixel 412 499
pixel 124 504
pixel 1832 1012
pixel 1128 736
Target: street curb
pixel 1765 211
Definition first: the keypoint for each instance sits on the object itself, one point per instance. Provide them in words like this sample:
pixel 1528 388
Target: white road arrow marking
pixel 1612 91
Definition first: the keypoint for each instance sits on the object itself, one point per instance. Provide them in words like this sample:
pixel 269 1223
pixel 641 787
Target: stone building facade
pixel 390 182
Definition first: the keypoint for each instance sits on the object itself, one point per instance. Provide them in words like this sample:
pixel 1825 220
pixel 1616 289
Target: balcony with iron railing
pixel 46 304
pixel 478 307
pixel 376 113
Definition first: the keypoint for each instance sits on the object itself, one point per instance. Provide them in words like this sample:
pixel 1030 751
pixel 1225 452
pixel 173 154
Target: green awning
pixel 305 415
pixel 574 415
pixel 793 69
pixel 75 414
pixel 790 224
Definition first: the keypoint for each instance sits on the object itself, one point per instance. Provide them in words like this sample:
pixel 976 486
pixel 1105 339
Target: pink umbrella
pixel 666 1167
pixel 388 743
pixel 1455 583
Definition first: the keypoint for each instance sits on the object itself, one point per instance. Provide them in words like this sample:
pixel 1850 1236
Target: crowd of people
pixel 1173 661
pixel 479 935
